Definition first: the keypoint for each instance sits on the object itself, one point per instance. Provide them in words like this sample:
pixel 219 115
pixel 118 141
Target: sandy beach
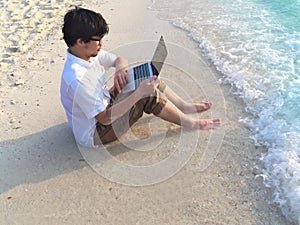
pixel 45 178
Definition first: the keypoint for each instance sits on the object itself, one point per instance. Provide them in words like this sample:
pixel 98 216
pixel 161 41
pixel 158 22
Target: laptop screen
pixel 159 56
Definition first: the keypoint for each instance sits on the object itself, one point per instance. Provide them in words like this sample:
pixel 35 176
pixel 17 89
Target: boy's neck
pixel 78 53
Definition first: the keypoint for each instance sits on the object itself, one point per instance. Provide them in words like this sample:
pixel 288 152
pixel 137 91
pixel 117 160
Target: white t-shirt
pixel 84 94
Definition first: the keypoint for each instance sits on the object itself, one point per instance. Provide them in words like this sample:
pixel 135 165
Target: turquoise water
pixel 287 12
pixel 256 46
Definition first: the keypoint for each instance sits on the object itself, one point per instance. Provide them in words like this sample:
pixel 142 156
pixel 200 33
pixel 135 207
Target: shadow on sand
pixel 51 152
pixel 38 157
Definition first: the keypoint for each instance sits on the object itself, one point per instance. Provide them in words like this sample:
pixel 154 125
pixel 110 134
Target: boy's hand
pixel 148 86
pixel 120 79
pixel 121 75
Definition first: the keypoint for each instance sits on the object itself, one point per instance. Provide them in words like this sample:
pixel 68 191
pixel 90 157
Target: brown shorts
pixel 152 104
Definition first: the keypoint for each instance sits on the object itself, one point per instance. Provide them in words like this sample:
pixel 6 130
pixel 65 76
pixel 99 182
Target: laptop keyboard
pixel 141 73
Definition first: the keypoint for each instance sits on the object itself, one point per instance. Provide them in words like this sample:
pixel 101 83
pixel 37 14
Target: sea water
pixel 255 44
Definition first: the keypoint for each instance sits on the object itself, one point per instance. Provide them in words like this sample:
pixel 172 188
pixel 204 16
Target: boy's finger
pixel 117 86
pixel 153 78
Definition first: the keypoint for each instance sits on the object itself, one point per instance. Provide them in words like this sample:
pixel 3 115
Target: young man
pixel 92 110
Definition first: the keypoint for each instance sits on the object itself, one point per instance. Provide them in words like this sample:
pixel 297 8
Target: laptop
pixel 148 69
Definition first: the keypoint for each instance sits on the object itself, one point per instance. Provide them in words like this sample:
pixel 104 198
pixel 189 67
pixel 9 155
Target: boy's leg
pixel 167 110
pixel 184 106
pixel 109 133
pixel 172 114
pixel 162 104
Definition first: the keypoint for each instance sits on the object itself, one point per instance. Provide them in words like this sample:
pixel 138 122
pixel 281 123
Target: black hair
pixel 83 23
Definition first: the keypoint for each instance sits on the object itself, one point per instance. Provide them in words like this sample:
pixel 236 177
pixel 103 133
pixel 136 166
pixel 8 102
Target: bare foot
pixel 208 124
pixel 197 107
pixel 203 106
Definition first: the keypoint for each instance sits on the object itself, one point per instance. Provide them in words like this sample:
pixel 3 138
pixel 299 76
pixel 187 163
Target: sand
pixel 45 178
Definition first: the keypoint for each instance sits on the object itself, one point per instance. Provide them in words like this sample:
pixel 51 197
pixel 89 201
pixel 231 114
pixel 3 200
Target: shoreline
pixel 41 165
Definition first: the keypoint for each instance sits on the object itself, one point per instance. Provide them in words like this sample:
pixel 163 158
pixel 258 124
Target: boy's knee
pixel 154 104
pixel 161 86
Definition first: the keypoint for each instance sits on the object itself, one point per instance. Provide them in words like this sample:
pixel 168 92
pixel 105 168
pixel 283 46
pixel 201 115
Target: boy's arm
pixel 146 88
pixel 121 75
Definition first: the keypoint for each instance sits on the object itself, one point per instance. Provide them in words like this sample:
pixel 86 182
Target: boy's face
pixel 94 46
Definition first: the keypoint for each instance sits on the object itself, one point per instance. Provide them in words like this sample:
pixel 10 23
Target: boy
pixel 94 111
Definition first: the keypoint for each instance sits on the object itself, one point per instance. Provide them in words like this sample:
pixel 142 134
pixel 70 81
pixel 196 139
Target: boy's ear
pixel 80 42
